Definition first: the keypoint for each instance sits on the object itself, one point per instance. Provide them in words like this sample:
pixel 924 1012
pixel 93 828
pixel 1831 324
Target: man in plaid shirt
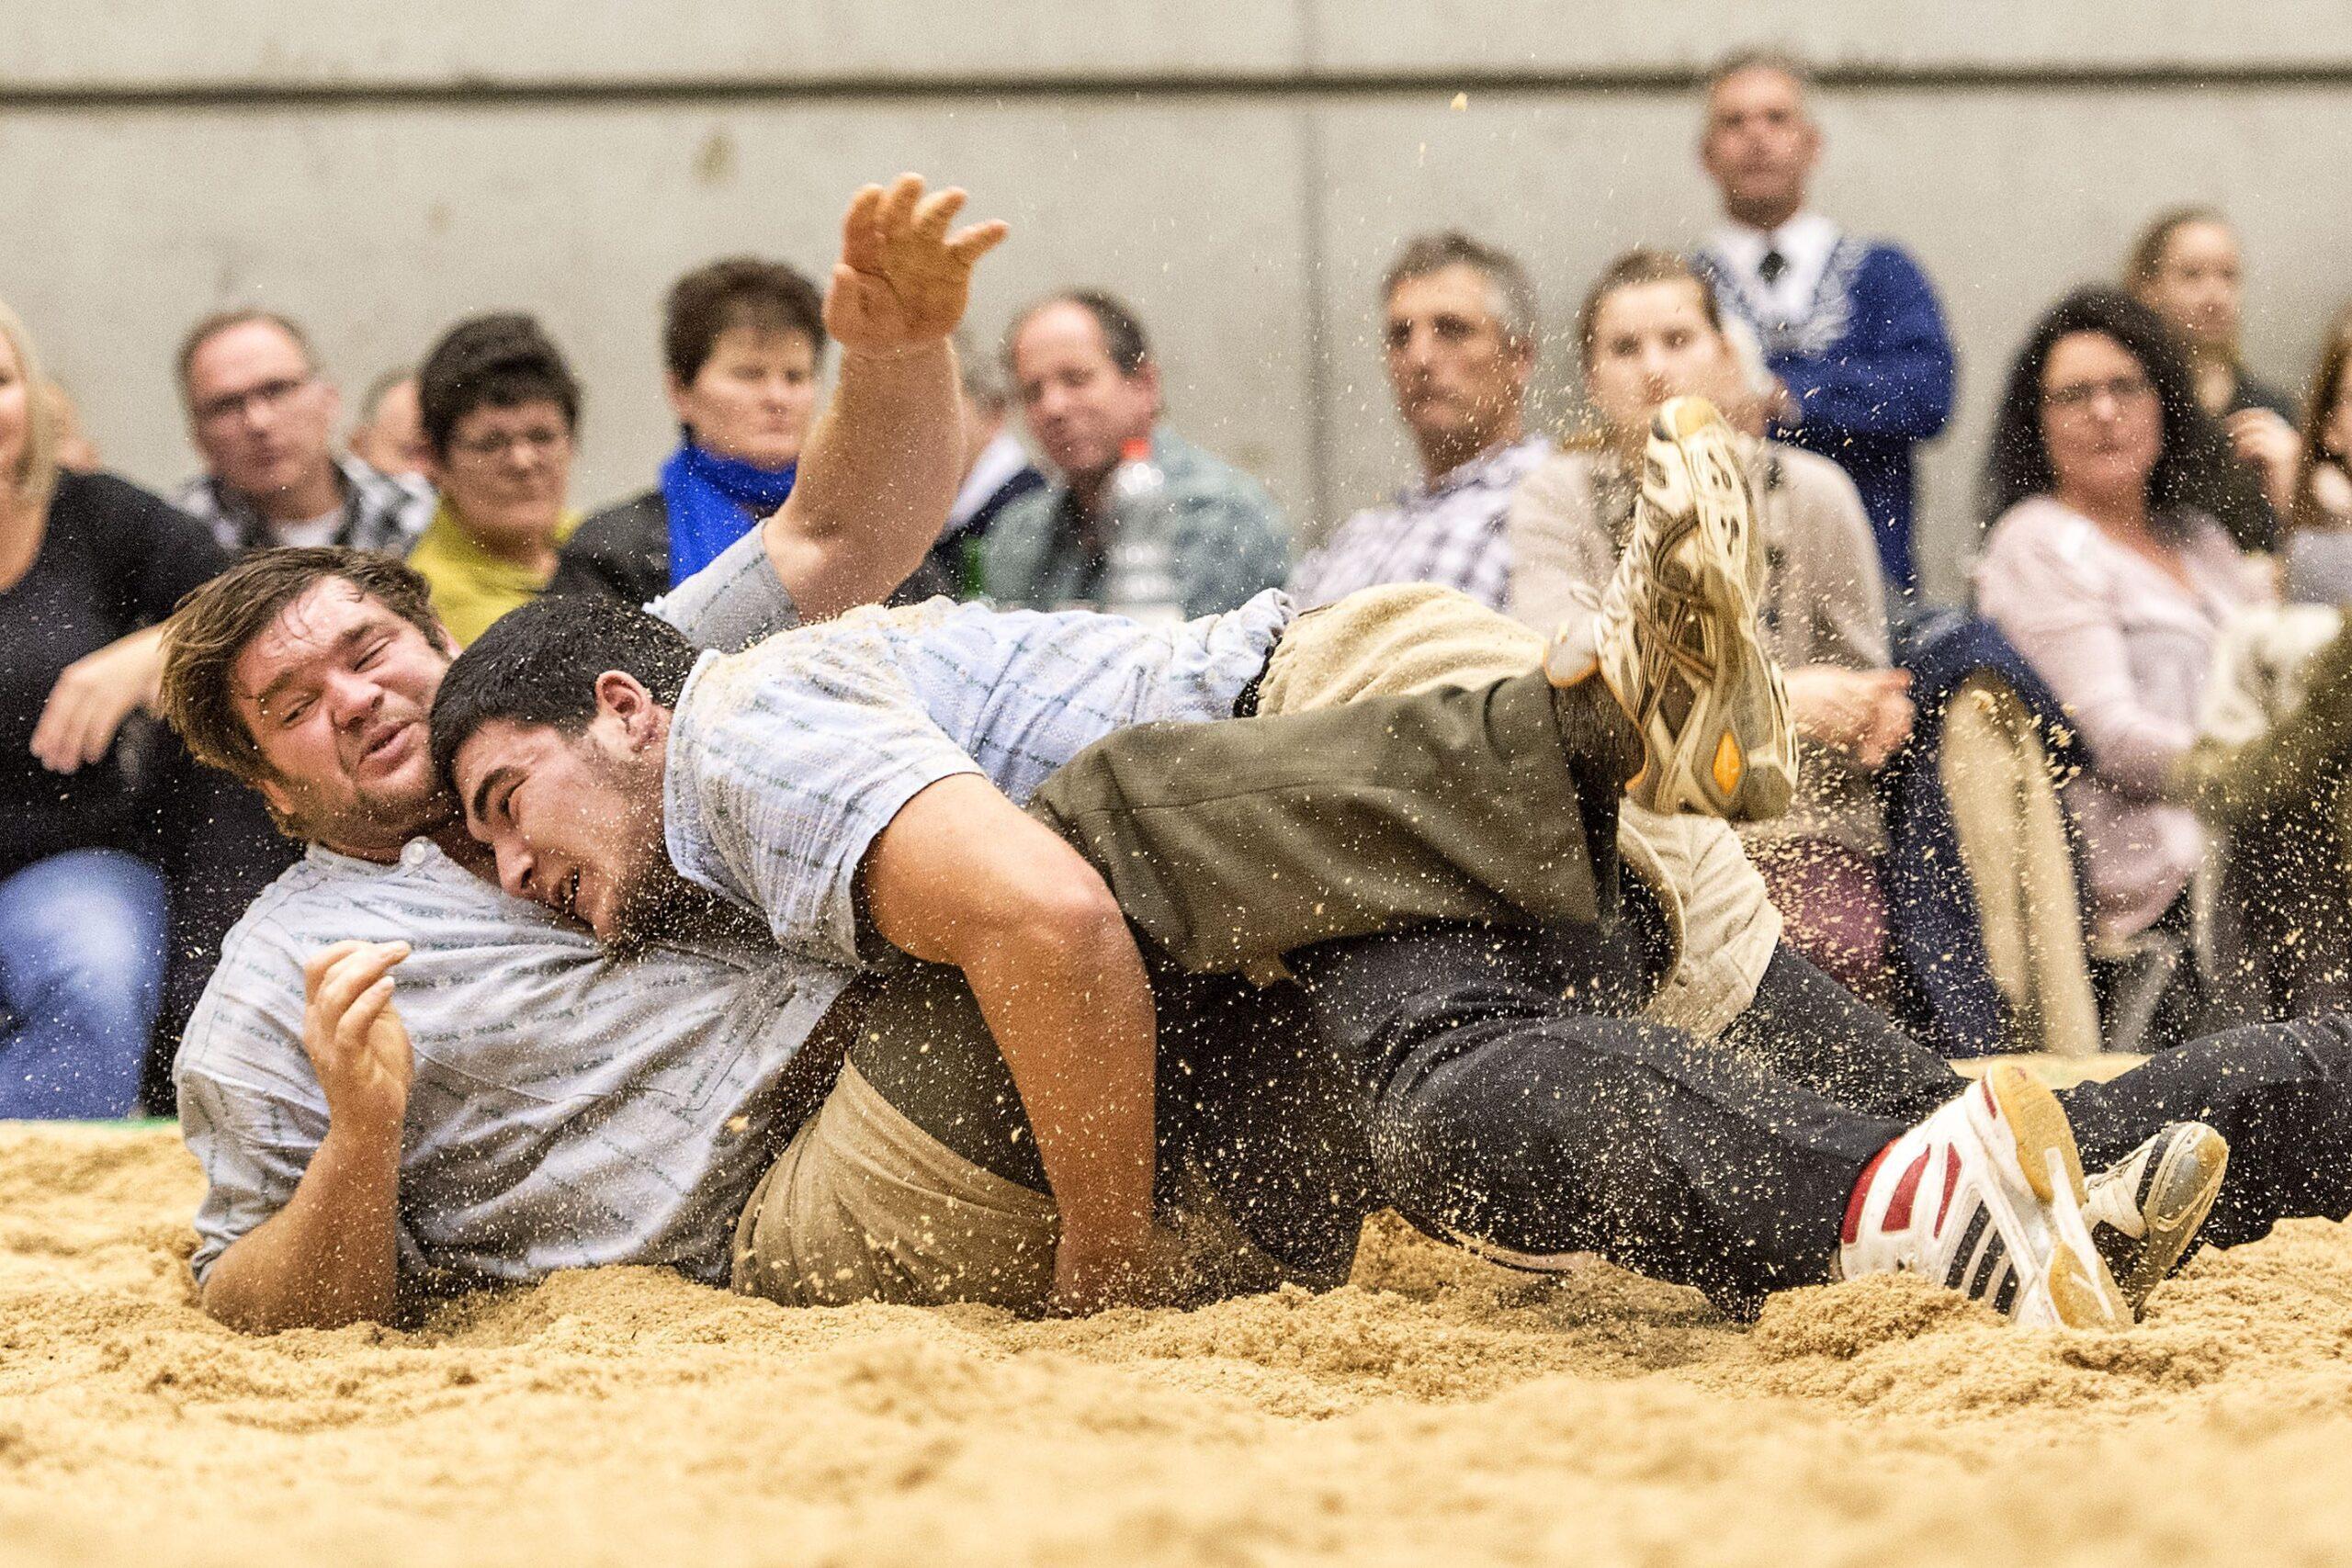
pixel 1461 346
pixel 263 416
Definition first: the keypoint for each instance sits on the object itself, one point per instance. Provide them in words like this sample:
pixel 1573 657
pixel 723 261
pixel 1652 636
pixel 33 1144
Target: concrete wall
pixel 1241 169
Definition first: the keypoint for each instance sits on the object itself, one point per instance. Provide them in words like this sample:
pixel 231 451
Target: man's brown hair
pixel 216 622
pixel 219 322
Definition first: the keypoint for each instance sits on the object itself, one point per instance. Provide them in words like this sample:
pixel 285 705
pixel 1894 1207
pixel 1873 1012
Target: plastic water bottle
pixel 1139 564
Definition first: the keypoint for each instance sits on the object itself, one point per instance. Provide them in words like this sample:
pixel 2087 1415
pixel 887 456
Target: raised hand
pixel 903 280
pixel 354 1035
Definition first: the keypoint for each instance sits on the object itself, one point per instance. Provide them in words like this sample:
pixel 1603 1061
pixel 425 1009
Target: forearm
pixel 876 480
pixel 331 1257
pixel 1071 1012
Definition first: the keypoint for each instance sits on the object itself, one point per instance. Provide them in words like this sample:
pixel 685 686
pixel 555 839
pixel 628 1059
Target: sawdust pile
pixel 1434 1411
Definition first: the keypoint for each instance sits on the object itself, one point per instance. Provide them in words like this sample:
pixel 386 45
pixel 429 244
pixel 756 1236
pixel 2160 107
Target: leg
pixel 81 970
pixel 1805 1029
pixel 2281 1095
pixel 1498 1114
pixel 919 1182
pixel 1232 844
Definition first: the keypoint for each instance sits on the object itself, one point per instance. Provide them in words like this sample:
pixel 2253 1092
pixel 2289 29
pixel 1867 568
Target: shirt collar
pixel 1805 240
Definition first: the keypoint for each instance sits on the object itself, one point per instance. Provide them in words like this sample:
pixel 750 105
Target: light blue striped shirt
pixel 787 760
pixel 567 1108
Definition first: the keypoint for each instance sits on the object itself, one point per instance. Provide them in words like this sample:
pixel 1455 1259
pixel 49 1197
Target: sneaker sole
pixel 2083 1293
pixel 1724 774
pixel 2180 1194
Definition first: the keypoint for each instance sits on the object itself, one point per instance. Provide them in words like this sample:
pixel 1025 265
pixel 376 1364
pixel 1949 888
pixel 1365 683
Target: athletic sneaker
pixel 2144 1208
pixel 1676 636
pixel 1986 1196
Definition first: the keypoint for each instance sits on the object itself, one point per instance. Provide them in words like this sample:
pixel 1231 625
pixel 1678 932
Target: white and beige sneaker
pixel 2144 1208
pixel 1985 1197
pixel 1676 636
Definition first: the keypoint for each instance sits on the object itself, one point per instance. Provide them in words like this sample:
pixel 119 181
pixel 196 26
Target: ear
pixel 1147 377
pixel 334 403
pixel 622 696
pixel 275 795
pixel 677 392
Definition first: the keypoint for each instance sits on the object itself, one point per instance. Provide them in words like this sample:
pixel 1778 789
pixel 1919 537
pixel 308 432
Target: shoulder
pixel 105 496
pixel 1812 480
pixel 626 524
pixel 1196 475
pixel 1886 264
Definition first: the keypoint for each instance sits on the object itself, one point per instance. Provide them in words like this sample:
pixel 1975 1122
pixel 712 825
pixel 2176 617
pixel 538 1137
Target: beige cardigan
pixel 1824 600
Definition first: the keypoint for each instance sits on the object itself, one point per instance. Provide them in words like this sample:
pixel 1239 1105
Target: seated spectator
pixel 2186 267
pixel 263 415
pixel 500 410
pixel 390 436
pixel 1851 327
pixel 1460 346
pixel 742 344
pixel 2103 576
pixel 85 559
pixel 1651 330
pixel 997 472
pixel 2307 475
pixel 1089 386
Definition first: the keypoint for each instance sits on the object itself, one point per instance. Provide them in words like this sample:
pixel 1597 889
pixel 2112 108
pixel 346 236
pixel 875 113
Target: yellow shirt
pixel 471 587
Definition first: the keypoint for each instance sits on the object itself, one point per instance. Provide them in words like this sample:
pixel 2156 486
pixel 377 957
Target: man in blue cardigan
pixel 1850 328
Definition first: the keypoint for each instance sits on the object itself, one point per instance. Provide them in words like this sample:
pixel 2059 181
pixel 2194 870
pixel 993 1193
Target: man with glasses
pixel 264 417
pixel 499 405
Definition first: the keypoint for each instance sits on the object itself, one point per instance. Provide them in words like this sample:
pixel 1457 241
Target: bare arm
pixel 881 467
pixel 962 877
pixel 331 1257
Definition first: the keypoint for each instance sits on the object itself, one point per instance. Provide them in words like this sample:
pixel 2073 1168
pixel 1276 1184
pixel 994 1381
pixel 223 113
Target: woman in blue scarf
pixel 743 340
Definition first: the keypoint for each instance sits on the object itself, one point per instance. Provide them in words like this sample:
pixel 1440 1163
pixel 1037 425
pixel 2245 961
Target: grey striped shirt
pixel 569 1108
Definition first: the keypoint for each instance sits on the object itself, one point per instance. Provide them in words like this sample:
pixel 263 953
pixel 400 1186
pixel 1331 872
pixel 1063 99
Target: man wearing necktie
pixel 1850 329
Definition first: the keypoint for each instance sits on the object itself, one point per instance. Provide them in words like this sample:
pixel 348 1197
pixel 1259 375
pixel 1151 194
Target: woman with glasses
pixel 86 561
pixel 500 407
pixel 2110 584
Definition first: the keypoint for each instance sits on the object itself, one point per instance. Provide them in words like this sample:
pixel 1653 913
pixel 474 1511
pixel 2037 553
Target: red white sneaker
pixel 1985 1197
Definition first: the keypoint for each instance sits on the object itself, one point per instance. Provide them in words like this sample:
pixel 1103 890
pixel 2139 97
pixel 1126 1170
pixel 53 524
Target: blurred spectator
pixel 2110 584
pixel 2307 477
pixel 390 436
pixel 1851 327
pixel 75 452
pixel 1461 338
pixel 1651 330
pixel 2186 267
pixel 263 415
pixel 997 472
pixel 1088 385
pixel 500 409
pixel 742 344
pixel 85 560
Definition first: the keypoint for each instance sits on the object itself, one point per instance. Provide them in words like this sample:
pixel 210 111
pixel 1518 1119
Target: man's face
pixel 575 820
pixel 1080 406
pixel 336 692
pixel 1460 380
pixel 2197 286
pixel 1652 341
pixel 259 411
pixel 753 398
pixel 1759 145
pixel 507 473
pixel 393 442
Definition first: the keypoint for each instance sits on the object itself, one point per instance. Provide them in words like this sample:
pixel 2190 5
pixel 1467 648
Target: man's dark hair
pixel 1123 337
pixel 1514 292
pixel 2017 461
pixel 219 322
pixel 499 361
pixel 740 291
pixel 539 665
pixel 215 622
